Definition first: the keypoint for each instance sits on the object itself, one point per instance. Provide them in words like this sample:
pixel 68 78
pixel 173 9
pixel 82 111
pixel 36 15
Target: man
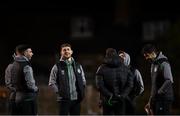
pixel 9 84
pixel 114 82
pixel 67 79
pixel 138 87
pixel 24 83
pixel 162 81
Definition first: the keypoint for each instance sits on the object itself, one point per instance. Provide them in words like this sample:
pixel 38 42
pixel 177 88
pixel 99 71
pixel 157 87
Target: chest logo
pixel 155 69
pixel 78 70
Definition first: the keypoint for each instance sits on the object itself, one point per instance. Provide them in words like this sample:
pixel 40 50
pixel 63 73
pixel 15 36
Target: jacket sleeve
pixel 128 85
pixel 100 83
pixel 52 79
pixel 140 80
pixel 28 72
pixel 8 80
pixel 167 76
pixel 83 76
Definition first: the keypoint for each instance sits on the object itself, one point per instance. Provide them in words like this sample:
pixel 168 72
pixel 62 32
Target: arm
pixel 28 72
pixel 100 83
pixel 128 85
pixel 52 79
pixel 8 78
pixel 83 76
pixel 168 78
pixel 140 80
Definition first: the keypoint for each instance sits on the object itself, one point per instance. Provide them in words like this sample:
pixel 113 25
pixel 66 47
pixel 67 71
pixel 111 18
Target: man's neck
pixel 68 59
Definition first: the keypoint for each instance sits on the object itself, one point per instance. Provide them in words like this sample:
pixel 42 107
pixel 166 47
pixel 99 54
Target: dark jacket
pixel 59 81
pixel 113 78
pixel 162 79
pixel 23 80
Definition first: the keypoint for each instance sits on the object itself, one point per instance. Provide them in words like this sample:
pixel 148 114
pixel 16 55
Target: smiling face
pixel 122 56
pixel 66 52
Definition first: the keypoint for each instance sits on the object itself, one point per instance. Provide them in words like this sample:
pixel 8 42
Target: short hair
pixel 149 48
pixel 110 52
pixel 120 51
pixel 21 48
pixel 65 45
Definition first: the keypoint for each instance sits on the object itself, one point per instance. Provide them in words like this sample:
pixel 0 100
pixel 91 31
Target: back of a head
pixel 111 52
pixel 21 48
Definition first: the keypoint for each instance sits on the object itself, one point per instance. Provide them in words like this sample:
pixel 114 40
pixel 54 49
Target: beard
pixel 150 60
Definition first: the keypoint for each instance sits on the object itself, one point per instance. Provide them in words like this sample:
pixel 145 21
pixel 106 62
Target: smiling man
pixel 67 79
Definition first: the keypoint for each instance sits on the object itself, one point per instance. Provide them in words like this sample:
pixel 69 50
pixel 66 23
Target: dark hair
pixel 65 45
pixel 110 52
pixel 21 48
pixel 149 48
pixel 120 51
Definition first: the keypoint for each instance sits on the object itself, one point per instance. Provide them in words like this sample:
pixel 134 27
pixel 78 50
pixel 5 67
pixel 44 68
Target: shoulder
pixel 165 65
pixel 22 64
pixel 77 63
pixel 27 67
pixel 100 69
pixel 9 66
pixel 163 62
pixel 60 64
pixel 136 71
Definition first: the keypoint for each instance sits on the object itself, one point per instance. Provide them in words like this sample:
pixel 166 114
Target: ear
pixel 71 51
pixel 154 54
pixel 24 53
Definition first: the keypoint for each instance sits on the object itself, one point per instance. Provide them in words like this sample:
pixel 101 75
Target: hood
pixel 127 59
pixel 21 59
pixel 112 61
pixel 161 55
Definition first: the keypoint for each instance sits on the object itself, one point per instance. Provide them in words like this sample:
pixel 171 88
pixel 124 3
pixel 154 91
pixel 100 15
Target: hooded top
pixel 127 59
pixel 136 72
pixel 28 73
pixel 162 79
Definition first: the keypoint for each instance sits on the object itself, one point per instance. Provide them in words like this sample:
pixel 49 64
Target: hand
pixel 37 91
pixel 59 98
pixel 109 102
pixel 160 91
pixel 147 108
pixel 118 97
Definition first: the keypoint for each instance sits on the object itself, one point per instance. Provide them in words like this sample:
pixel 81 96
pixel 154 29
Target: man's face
pixel 66 52
pixel 28 53
pixel 122 56
pixel 150 56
